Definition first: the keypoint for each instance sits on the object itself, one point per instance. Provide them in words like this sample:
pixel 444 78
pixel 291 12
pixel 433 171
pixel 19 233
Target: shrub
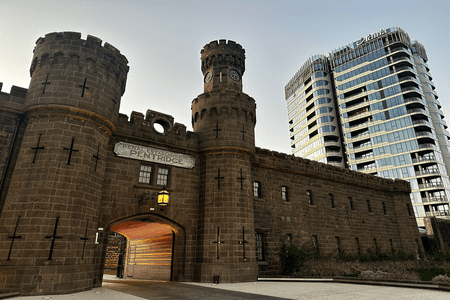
pixel 292 258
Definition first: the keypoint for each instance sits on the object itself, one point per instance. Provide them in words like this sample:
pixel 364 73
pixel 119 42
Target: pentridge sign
pixel 138 152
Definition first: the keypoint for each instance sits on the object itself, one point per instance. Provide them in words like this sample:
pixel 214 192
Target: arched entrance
pixel 154 247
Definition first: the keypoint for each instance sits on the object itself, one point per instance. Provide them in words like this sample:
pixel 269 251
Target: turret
pixel 224 120
pixel 223 116
pixel 54 198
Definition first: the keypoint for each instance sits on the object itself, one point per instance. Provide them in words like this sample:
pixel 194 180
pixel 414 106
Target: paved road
pixel 138 290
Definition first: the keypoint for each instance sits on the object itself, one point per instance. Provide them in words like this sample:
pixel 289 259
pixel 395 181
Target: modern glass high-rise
pixel 371 106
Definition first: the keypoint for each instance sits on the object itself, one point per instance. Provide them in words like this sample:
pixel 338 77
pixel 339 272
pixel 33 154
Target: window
pixel 408 206
pixel 358 248
pixel 384 208
pixel 392 246
pixel 145 174
pixel 338 245
pixel 369 208
pixel 375 244
pixel 309 197
pixel 256 189
pixel 315 242
pixel 350 203
pixel 288 238
pixel 259 246
pixel 163 176
pixel 331 200
pixel 284 193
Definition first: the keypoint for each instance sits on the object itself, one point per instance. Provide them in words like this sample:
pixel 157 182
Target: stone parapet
pixel 297 165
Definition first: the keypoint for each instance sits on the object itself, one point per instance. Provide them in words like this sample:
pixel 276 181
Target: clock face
pixel 234 75
pixel 208 77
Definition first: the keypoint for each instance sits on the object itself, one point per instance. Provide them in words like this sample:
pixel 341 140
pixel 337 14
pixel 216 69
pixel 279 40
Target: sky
pixel 162 42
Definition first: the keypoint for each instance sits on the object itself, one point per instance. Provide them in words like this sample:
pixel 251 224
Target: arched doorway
pixel 149 250
pixel 155 247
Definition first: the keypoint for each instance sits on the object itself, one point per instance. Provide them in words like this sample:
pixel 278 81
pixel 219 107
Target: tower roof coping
pixel 76 36
pixel 214 44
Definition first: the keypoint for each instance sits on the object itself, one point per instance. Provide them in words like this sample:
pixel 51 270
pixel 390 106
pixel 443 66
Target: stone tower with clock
pixel 224 119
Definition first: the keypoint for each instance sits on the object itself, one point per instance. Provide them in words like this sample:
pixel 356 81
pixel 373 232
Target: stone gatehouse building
pixel 74 169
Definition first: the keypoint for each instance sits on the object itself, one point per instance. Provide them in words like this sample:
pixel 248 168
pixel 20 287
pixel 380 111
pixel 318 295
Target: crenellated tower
pixel 224 119
pixel 53 204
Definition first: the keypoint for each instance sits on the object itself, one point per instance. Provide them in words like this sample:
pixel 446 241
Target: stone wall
pixel 318 220
pixel 112 251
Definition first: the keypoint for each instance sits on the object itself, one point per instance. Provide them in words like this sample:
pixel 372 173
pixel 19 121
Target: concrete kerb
pixel 394 283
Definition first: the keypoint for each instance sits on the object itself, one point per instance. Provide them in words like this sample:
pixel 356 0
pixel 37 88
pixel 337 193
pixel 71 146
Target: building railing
pixel 401 59
pixel 360 125
pixel 421 122
pixel 361 134
pixel 437 213
pixel 431 185
pixel 333 151
pixel 426 146
pixel 414 110
pixel 414 99
pixel 423 158
pixel 368 167
pixel 425 133
pixel 396 50
pixel 365 145
pixel 427 172
pixel 368 155
pixel 360 115
pixel 411 88
pixel 405 68
pixel 408 78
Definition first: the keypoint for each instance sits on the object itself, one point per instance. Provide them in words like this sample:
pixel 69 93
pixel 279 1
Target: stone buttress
pixel 49 221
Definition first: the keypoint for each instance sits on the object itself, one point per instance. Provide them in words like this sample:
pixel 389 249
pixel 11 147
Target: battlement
pixel 14 100
pixel 213 104
pixel 223 53
pixel 222 43
pixel 69 49
pixel 290 163
pixel 140 126
pixel 15 91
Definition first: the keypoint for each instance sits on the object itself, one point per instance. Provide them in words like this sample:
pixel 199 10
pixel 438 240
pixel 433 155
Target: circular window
pixel 161 126
pixel 158 127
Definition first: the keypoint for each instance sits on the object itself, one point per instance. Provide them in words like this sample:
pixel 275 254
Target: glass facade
pixel 371 106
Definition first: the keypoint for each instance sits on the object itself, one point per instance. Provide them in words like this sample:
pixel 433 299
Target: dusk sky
pixel 162 42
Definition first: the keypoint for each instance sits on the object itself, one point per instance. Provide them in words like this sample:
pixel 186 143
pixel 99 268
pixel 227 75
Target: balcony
pixel 427 172
pixel 360 115
pixel 360 136
pixel 430 185
pixel 415 99
pixel 421 122
pixel 425 134
pixel 408 78
pixel 396 50
pixel 403 58
pixel 437 213
pixel 428 146
pixel 423 159
pixel 367 167
pixel 367 145
pixel 404 69
pixel 411 89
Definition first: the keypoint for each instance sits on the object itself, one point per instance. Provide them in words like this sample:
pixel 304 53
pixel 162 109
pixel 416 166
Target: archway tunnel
pixel 149 250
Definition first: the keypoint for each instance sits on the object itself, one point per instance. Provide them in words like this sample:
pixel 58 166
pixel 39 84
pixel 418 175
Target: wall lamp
pixel 161 196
